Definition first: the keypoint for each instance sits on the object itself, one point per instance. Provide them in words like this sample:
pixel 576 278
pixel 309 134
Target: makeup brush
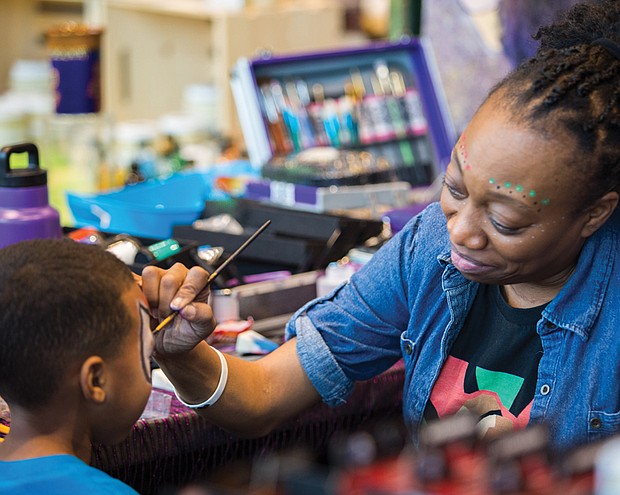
pixel 217 271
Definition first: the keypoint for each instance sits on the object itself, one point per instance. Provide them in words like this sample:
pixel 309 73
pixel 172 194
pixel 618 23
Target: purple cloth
pixel 184 447
pixel 400 216
pixel 520 20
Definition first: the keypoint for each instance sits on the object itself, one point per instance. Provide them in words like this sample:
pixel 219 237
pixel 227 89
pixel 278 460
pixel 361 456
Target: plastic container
pixel 182 127
pixel 24 209
pixel 201 102
pixel 335 275
pixel 31 76
pixel 133 143
pixel 607 471
pixel 152 208
pixel 75 56
pixel 12 122
pixel 148 209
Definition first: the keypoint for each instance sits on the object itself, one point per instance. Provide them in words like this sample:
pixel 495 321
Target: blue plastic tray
pixel 152 208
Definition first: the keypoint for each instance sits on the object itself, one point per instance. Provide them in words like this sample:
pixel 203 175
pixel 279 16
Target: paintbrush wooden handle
pixel 217 271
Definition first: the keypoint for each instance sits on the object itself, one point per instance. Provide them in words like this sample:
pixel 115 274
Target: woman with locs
pixel 503 298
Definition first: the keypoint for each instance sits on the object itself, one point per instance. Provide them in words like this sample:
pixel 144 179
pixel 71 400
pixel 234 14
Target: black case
pixel 295 240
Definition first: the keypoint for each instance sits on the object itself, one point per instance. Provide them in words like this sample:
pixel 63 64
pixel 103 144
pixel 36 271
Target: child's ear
pixel 93 379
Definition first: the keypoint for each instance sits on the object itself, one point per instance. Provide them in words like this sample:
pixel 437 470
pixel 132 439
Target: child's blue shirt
pixel 57 475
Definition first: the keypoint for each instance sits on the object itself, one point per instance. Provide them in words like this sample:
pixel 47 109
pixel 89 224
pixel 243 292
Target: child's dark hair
pixel 61 302
pixel 571 90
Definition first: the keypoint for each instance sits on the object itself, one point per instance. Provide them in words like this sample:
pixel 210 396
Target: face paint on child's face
pixel 146 341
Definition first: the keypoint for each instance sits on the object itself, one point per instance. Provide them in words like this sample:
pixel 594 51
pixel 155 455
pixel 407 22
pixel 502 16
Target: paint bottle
pixel 450 459
pixel 125 248
pixel 577 469
pixel 520 462
pixel 335 275
pixel 25 212
pixel 607 472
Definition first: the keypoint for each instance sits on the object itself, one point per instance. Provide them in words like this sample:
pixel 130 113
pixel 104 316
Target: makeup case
pixel 370 114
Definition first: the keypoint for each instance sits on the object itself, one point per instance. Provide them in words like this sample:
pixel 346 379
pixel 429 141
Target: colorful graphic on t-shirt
pixel 492 367
pixel 491 401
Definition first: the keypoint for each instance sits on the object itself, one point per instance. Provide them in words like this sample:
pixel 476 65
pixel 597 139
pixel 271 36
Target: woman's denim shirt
pixel 410 302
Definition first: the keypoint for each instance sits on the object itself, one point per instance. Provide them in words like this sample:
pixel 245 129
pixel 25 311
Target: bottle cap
pixel 30 176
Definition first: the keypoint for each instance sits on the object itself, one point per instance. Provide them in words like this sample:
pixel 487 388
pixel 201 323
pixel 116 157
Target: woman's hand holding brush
pixel 185 292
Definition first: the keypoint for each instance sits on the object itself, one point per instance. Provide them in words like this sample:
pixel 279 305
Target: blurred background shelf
pixel 153 49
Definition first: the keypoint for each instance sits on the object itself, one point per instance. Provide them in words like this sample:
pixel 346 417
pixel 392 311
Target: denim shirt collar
pixel 578 304
pixel 574 308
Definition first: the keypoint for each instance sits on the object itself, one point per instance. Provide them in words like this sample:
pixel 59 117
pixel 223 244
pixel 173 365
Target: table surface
pixel 184 447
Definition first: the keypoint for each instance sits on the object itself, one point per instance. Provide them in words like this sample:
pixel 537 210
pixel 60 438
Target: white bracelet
pixel 218 390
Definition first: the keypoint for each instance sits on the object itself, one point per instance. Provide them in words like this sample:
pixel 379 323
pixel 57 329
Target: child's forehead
pixel 142 301
pixel 140 315
pixel 135 294
pixel 136 301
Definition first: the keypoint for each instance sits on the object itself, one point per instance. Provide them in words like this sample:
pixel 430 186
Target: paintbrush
pixel 217 271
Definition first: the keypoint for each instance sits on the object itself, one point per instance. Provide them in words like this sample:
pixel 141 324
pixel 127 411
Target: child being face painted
pixel 129 376
pixel 74 364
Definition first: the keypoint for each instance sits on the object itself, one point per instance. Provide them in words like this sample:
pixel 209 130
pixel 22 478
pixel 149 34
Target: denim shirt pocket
pixel 602 424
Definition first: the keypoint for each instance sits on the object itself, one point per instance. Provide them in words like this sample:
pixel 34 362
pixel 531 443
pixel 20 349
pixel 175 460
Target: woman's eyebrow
pixel 455 158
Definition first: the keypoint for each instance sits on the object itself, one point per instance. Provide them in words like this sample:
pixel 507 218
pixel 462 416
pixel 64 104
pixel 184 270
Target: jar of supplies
pixel 75 57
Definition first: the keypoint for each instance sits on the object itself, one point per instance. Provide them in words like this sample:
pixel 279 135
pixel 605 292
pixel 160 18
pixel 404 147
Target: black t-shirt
pixel 493 365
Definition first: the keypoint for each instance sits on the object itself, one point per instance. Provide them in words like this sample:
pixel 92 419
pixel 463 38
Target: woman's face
pixel 508 197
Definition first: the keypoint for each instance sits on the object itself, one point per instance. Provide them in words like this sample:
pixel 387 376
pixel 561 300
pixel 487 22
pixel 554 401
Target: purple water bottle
pixel 24 209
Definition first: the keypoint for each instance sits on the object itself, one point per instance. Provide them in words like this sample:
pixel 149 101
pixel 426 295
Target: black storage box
pixel 296 240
